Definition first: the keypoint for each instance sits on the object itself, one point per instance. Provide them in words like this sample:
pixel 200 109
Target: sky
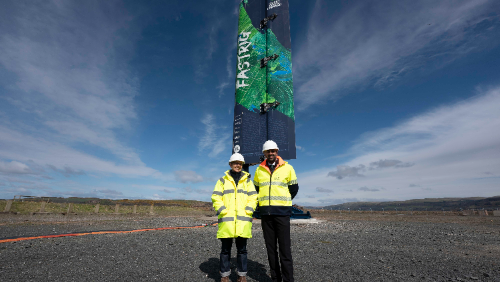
pixel 394 100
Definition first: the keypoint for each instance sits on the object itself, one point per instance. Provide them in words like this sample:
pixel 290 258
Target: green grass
pixel 28 207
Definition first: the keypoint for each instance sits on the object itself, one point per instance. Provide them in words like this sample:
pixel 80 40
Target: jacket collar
pixel 244 174
pixel 278 159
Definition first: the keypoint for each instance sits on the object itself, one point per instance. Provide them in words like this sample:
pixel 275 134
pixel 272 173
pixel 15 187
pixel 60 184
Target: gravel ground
pixel 335 250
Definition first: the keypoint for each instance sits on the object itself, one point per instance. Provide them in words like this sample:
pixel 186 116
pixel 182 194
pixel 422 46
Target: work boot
pixel 224 279
pixel 242 279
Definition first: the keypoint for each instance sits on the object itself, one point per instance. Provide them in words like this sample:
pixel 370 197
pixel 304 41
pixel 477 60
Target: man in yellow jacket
pixel 277 185
pixel 234 198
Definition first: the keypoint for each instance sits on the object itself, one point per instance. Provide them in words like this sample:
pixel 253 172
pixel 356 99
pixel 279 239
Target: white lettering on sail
pixel 240 83
pixel 274 4
pixel 243 48
pixel 243 73
pixel 243 66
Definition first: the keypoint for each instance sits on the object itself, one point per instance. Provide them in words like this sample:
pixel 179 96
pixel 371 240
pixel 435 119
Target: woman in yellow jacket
pixel 234 198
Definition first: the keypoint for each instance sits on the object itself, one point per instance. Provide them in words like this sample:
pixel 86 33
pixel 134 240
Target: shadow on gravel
pixel 256 270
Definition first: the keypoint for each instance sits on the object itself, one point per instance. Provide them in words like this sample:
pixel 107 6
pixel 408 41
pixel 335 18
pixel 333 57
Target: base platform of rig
pixel 296 214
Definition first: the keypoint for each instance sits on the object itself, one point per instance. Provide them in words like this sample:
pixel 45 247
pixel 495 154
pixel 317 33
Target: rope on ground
pixel 103 232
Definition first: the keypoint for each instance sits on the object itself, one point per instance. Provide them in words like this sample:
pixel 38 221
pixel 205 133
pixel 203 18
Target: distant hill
pixel 430 204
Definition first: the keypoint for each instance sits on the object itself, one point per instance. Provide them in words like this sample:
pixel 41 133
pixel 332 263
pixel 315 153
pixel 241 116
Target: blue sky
pixel 394 100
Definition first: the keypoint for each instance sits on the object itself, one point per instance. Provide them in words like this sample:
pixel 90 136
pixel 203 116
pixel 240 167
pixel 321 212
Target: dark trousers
pixel 277 231
pixel 241 257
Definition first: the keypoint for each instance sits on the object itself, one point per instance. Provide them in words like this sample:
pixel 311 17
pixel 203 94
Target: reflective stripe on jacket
pixel 274 194
pixel 235 205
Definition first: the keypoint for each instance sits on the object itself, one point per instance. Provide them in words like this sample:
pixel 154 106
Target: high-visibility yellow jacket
pixel 277 189
pixel 235 204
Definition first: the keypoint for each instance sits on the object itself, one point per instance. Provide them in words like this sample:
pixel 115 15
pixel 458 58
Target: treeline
pixel 430 204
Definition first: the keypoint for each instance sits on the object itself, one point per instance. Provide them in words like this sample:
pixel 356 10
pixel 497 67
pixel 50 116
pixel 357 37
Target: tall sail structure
pixel 264 86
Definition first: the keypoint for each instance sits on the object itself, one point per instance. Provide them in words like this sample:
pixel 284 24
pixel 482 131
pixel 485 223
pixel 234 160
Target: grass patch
pixel 3 203
pixel 142 207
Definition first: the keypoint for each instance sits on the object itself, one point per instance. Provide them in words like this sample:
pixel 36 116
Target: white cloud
pixel 158 197
pixel 389 163
pixel 366 189
pixel 66 171
pixel 62 61
pixel 304 151
pixel 75 131
pixel 215 138
pixel 14 167
pixel 222 87
pixel 71 86
pixel 24 148
pixel 109 193
pixel 346 171
pixel 449 147
pixel 230 50
pixel 156 188
pixel 187 176
pixel 209 37
pixel 353 48
pixel 323 190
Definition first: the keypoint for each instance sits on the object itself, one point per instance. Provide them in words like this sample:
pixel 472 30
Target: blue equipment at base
pixel 296 214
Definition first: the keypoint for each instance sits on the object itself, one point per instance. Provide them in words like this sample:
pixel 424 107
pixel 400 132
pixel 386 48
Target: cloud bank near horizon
pixel 67 93
pixel 446 151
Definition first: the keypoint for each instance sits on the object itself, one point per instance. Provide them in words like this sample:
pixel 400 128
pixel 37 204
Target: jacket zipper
pixel 235 207
pixel 270 183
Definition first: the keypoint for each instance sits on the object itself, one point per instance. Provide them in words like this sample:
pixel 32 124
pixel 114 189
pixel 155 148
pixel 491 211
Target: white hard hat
pixel 237 157
pixel 269 145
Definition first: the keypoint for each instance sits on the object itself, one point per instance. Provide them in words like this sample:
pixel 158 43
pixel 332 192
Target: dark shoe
pixel 224 279
pixel 242 279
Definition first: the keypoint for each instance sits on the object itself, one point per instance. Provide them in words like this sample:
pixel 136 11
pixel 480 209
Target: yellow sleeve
pixel 256 179
pixel 252 197
pixel 293 185
pixel 292 178
pixel 217 201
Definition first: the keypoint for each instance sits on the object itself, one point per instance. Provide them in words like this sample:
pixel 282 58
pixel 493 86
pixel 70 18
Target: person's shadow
pixel 256 270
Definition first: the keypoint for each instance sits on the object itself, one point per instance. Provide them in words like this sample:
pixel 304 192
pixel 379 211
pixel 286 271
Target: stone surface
pixel 333 250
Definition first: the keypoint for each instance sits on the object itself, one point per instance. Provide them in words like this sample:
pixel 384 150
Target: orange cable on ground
pixel 102 232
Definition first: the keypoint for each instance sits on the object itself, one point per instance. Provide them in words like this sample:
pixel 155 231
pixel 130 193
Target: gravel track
pixel 335 250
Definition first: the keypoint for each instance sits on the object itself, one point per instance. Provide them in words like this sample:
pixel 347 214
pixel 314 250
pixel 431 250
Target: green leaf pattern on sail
pixel 279 76
pixel 254 94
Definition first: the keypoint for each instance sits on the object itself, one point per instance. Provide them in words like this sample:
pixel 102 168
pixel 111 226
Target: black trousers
pixel 241 256
pixel 277 232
